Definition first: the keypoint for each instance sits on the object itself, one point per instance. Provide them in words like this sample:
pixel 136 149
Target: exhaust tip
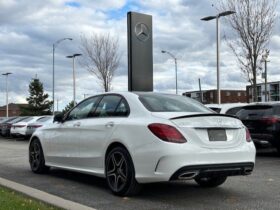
pixel 248 171
pixel 188 175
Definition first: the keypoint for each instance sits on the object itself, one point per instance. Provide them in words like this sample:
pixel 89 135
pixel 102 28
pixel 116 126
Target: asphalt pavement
pixel 261 190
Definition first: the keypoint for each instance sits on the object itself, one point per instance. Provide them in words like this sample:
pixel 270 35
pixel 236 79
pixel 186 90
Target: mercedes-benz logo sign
pixel 142 32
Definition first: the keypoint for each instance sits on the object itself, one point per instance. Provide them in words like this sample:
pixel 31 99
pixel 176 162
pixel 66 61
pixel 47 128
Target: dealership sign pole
pixel 140 52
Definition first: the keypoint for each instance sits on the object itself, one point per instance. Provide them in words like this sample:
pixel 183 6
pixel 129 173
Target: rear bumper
pixel 265 139
pixel 164 163
pixel 214 170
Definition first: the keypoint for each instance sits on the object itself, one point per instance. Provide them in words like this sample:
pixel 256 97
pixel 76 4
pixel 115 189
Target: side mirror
pixel 58 117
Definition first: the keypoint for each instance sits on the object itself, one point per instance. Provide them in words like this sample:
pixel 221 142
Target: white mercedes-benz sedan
pixel 132 138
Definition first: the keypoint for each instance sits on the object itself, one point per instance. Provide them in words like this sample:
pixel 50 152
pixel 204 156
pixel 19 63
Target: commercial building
pixel 272 92
pixel 210 96
pixel 14 110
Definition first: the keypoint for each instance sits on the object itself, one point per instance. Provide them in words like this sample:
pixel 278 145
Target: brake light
pixel 167 133
pixel 269 120
pixel 248 135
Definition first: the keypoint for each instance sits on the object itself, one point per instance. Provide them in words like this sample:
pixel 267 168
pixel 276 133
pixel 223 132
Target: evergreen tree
pixel 68 107
pixel 38 103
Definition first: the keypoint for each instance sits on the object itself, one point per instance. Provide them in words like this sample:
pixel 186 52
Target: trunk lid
pixel 208 130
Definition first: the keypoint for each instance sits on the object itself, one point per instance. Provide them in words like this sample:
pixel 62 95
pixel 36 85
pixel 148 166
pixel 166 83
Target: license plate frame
pixel 217 134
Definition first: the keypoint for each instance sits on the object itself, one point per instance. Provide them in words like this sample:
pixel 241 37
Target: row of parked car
pixel 262 119
pixel 23 126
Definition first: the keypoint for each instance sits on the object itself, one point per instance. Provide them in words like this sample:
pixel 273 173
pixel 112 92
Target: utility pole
pixel 265 60
pixel 201 96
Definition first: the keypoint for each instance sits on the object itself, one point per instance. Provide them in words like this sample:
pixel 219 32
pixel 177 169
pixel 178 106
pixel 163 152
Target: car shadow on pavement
pixel 178 191
pixel 267 152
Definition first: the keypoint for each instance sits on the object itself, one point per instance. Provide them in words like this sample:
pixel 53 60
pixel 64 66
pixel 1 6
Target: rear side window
pixel 107 106
pixel 171 103
pixel 254 112
pixel 122 109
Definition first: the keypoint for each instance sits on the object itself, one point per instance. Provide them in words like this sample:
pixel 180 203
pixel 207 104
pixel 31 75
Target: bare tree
pixel 252 25
pixel 100 57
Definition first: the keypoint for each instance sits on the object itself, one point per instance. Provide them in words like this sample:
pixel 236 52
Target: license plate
pixel 217 134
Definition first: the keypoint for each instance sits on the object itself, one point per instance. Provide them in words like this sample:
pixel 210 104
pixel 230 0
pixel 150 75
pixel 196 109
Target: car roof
pixel 270 103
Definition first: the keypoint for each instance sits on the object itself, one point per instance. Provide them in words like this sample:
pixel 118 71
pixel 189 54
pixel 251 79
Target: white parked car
pixel 134 138
pixel 228 108
pixel 31 127
pixel 19 129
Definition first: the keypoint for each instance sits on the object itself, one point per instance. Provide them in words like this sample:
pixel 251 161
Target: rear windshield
pixel 28 119
pixel 43 119
pixel 171 103
pixel 254 112
pixel 233 111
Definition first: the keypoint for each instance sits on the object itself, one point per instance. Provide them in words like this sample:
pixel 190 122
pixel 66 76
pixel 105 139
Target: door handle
pixel 77 124
pixel 109 124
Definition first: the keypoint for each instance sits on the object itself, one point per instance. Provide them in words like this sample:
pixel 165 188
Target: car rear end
pixel 197 144
pixel 263 122
pixel 32 127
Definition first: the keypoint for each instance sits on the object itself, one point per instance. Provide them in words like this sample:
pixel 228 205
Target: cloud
pixel 28 30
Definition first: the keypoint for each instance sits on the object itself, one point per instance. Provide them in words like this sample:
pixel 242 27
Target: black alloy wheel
pixel 210 181
pixel 36 157
pixel 120 173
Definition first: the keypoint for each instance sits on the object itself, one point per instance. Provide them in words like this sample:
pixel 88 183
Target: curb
pixel 43 196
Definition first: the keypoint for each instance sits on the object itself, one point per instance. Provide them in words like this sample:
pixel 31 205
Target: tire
pixel 120 173
pixel 278 149
pixel 210 181
pixel 36 157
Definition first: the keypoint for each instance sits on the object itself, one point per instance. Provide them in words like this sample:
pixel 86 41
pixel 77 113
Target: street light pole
pixel 218 60
pixel 7 94
pixel 217 17
pixel 54 46
pixel 175 60
pixel 74 75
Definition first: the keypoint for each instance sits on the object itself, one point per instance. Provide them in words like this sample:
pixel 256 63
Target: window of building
pixel 227 93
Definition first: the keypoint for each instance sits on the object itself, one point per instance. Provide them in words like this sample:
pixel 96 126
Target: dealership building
pixel 272 92
pixel 210 96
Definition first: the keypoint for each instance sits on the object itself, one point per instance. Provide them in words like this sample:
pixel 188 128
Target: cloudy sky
pixel 29 28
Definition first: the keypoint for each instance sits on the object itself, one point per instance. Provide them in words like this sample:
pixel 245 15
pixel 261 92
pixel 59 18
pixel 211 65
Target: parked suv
pixel 263 122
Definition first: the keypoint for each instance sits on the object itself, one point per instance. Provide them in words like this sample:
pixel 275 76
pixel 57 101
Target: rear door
pixel 98 128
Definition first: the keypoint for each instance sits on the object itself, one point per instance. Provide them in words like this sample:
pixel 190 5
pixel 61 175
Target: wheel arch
pixel 113 145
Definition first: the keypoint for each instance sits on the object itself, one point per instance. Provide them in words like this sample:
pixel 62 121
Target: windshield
pixel 170 103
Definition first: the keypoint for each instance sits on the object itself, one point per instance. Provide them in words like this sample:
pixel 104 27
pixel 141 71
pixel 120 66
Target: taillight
pixel 19 126
pixel 269 120
pixel 167 133
pixel 36 126
pixel 248 135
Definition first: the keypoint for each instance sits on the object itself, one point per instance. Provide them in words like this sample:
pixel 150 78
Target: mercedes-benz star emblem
pixel 142 32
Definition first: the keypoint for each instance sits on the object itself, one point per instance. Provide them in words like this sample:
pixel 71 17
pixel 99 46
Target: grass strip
pixel 12 200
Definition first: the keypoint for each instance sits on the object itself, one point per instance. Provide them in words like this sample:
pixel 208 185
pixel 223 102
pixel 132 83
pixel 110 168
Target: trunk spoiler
pixel 204 115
